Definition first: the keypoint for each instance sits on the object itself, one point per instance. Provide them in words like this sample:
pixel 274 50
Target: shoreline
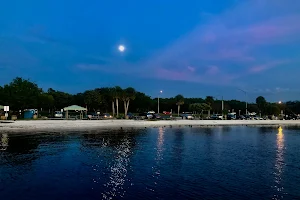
pixel 81 125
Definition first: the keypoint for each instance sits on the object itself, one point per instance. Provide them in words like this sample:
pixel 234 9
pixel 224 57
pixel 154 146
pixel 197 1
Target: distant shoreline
pixel 81 125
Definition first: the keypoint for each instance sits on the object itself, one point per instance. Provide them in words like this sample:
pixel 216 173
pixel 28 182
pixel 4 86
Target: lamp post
pixel 281 111
pixel 245 92
pixel 160 92
pixel 222 106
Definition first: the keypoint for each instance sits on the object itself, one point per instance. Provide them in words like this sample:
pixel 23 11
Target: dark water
pixel 159 163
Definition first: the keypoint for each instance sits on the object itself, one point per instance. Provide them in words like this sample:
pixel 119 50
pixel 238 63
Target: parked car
pixel 106 116
pixel 186 116
pixel 58 114
pixel 130 115
pixel 167 117
pixel 291 117
pixel 248 116
pixel 189 116
pixel 150 115
pixel 167 113
pixel 257 117
pixel 156 116
pixel 93 115
pixel 216 117
pixel 145 115
pixel 231 116
pixel 142 115
pixel 241 117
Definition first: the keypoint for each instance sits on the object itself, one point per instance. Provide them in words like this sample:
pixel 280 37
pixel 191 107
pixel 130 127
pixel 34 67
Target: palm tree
pixel 127 95
pixel 118 95
pixel 209 100
pixel 112 96
pixel 179 101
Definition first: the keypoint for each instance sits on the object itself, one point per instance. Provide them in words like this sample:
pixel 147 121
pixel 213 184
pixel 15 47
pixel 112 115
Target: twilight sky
pixel 195 48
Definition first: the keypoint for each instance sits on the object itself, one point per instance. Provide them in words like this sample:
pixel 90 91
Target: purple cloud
pixel 235 41
pixel 192 69
pixel 228 47
pixel 212 70
pixel 263 67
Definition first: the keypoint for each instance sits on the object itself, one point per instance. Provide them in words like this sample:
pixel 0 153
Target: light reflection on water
pixel 118 170
pixel 4 142
pixel 279 164
pixel 159 154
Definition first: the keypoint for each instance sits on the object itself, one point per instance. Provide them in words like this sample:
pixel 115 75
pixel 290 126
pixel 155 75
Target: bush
pixel 121 116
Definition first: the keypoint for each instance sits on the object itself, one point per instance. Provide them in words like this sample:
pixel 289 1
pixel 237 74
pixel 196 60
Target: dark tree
pixel 92 99
pixel 179 101
pixel 128 95
pixel 61 99
pixel 261 104
pixel 209 100
pixel 142 103
pixel 21 94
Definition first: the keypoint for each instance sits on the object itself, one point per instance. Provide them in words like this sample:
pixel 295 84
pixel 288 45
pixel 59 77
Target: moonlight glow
pixel 121 48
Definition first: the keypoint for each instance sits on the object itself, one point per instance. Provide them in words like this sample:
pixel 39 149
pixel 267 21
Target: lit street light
pixel 281 109
pixel 160 92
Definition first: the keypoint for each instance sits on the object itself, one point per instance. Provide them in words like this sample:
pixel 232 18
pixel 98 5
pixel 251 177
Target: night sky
pixel 194 48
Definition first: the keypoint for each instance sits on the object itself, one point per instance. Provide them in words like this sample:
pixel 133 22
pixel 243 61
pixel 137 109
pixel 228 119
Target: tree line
pixel 22 94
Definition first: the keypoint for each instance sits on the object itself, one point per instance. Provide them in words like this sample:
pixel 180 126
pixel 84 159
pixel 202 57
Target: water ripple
pixel 154 163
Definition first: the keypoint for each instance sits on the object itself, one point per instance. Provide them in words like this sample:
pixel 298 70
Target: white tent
pixel 74 108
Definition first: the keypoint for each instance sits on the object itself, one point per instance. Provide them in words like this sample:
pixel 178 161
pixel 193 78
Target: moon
pixel 121 48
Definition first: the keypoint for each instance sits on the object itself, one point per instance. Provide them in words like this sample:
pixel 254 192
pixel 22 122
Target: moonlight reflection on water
pixel 118 171
pixel 159 156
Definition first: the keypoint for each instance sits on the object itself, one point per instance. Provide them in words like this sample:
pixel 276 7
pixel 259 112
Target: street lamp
pixel 246 98
pixel 281 111
pixel 160 92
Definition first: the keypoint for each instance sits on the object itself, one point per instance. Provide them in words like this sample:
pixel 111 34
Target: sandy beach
pixel 61 125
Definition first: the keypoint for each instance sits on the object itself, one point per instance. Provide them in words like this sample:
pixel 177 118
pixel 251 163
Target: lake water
pixel 155 163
